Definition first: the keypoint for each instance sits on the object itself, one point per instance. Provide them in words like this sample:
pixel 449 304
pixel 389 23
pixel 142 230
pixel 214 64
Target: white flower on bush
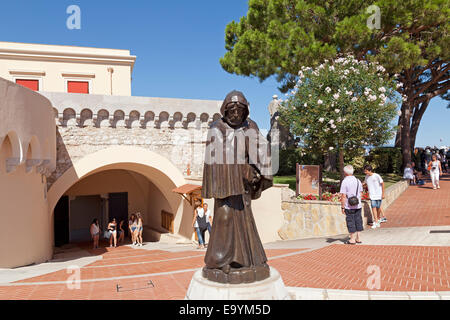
pixel 306 130
pixel 372 97
pixel 354 99
pixel 349 93
pixel 404 98
pixel 381 68
pixel 331 68
pixel 382 89
pixel 326 129
pixel 328 89
pixel 331 121
pixel 346 72
pixel 399 85
pixel 339 119
pixel 337 110
pixel 319 101
pixel 336 96
pixel 330 148
pixel 305 105
pixel 321 120
pixel 333 126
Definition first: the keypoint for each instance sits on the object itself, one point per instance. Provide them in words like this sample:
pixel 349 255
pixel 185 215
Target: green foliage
pixel 289 157
pixel 356 159
pixel 385 160
pixel 341 104
pixel 278 37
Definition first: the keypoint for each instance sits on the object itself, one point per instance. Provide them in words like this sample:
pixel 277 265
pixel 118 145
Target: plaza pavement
pixel 408 256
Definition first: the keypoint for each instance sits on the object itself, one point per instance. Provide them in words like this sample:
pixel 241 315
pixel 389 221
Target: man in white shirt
pixel 375 184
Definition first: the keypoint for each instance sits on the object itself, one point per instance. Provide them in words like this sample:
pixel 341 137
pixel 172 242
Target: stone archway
pixel 156 168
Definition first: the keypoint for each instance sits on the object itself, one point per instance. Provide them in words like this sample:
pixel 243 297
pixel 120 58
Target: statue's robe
pixel 234 238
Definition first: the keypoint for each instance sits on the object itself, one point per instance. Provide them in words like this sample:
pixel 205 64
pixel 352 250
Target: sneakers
pixel 383 220
pixel 438 187
pixel 374 225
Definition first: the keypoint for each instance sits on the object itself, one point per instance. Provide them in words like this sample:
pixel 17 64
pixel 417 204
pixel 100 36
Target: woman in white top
pixel 435 171
pixel 200 225
pixel 409 174
pixel 95 232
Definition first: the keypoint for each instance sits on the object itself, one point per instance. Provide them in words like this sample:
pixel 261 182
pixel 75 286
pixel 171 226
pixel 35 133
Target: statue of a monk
pixel 237 169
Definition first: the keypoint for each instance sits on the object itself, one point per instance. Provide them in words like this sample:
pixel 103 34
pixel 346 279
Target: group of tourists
pixel 434 164
pixel 202 221
pixel 116 233
pixel 423 156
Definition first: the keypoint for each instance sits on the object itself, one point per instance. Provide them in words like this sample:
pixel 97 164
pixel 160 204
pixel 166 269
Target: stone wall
pixel 182 147
pixel 307 219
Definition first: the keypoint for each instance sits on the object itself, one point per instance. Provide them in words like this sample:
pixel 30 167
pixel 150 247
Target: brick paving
pixel 336 266
pixel 421 206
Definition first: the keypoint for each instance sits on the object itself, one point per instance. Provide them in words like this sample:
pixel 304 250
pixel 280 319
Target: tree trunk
pixel 398 136
pixel 330 162
pixel 417 117
pixel 405 136
pixel 341 162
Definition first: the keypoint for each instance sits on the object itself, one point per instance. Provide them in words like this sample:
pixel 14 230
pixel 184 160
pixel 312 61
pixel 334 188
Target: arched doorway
pixel 141 180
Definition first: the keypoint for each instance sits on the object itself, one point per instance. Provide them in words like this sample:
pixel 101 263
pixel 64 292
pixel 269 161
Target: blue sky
pixel 177 43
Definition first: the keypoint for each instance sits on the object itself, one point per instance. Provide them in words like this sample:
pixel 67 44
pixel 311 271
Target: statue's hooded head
pixel 235 108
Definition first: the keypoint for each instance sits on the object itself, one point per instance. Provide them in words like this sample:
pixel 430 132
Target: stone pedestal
pixel 271 288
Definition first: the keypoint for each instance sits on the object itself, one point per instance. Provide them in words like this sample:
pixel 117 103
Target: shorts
pixel 133 228
pixel 375 203
pixel 354 220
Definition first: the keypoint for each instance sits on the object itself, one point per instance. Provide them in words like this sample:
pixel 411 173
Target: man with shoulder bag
pixel 351 189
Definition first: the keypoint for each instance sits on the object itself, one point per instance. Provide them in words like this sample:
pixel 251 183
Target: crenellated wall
pixel 174 128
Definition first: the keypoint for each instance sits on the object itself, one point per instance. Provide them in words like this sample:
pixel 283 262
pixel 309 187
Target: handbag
pixel 201 221
pixel 353 201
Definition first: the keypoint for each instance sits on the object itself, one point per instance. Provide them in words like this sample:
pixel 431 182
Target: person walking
pixel 434 166
pixel 112 228
pixel 351 190
pixel 375 185
pixel 95 233
pixel 200 225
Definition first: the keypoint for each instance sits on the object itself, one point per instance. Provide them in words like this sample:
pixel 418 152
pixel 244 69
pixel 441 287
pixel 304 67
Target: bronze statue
pixel 237 169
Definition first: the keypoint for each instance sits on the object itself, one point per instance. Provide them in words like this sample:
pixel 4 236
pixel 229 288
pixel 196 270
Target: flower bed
pixel 330 193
